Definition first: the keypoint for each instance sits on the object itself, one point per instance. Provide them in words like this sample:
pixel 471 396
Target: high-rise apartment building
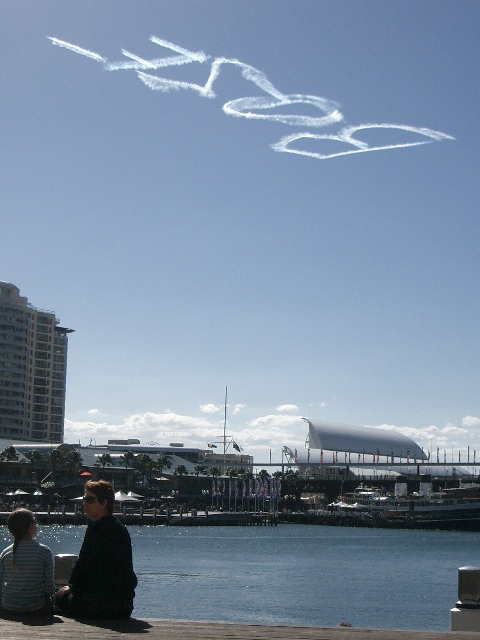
pixel 33 368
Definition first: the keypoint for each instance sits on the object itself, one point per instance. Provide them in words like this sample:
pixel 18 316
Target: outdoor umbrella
pixel 121 496
pixel 134 495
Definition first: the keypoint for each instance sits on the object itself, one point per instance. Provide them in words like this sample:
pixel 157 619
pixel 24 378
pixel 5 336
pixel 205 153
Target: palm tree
pixel 199 469
pixel 34 458
pixel 104 459
pixel 9 454
pixel 180 471
pixel 127 458
pixel 163 462
pixel 214 471
pixel 57 461
pixel 73 462
pixel 142 461
pixel 263 474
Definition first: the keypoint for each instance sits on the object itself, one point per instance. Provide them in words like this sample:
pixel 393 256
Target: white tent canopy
pixel 121 496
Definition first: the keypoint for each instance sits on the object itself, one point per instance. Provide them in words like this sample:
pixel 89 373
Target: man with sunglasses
pixel 102 584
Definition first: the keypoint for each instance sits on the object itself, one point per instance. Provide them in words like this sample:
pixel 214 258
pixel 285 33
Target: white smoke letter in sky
pixel 255 108
pixel 345 135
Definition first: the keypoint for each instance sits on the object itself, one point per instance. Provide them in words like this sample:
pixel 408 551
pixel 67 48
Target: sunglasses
pixel 90 499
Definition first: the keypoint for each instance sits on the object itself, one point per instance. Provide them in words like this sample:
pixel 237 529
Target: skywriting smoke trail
pixel 255 108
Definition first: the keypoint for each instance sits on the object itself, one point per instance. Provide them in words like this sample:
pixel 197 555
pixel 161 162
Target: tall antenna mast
pixel 225 428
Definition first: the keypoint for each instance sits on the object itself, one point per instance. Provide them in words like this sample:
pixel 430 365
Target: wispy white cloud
pixel 237 408
pixel 93 411
pixel 256 436
pixel 209 408
pixel 471 421
pixel 287 407
pixel 453 429
pixel 444 437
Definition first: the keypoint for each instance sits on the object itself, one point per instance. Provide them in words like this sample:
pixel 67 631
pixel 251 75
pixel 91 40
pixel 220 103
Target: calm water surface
pixel 293 574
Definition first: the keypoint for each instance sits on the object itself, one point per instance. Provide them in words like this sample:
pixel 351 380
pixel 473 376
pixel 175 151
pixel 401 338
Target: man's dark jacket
pixel 104 566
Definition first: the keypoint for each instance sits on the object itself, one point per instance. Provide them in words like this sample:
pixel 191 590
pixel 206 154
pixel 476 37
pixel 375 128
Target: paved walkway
pixel 59 628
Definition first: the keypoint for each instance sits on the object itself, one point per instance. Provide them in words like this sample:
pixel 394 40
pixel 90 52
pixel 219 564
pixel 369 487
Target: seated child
pixel 26 568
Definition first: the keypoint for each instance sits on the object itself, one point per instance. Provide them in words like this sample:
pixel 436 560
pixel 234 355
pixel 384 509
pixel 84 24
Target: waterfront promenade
pixel 151 517
pixel 61 628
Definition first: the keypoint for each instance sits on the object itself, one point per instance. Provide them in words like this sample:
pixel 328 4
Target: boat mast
pixel 225 431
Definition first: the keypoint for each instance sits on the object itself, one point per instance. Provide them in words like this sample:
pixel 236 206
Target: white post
pixel 466 615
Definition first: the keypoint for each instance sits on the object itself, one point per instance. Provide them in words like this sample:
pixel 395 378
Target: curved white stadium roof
pixel 333 436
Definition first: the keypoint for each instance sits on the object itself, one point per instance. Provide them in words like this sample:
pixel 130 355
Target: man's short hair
pixel 103 490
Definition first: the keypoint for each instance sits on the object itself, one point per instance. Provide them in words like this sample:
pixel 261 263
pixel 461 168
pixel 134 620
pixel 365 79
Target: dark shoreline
pixel 229 518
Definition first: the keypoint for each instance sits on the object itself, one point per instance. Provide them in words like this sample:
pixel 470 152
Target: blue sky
pixel 189 254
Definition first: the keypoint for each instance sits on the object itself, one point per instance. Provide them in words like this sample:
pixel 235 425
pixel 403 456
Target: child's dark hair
pixel 18 523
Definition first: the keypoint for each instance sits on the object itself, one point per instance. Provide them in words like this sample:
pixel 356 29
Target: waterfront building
pixel 118 460
pixel 179 455
pixel 33 368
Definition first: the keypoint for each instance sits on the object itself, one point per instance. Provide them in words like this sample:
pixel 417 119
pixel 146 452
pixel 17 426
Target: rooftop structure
pixel 333 436
pixel 333 448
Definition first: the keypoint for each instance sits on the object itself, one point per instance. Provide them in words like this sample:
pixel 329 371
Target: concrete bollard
pixel 64 563
pixel 465 616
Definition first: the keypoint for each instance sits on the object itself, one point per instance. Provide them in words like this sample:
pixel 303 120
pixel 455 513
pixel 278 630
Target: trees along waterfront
pixel 180 471
pixel 104 459
pixel 73 463
pixel 9 454
pixel 199 469
pixel 37 464
pixel 142 461
pixel 127 458
pixel 64 465
pixel 163 462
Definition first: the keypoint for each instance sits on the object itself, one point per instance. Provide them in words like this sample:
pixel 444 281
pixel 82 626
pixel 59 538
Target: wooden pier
pixel 60 628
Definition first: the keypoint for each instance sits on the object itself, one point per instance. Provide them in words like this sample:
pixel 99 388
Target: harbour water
pixel 292 574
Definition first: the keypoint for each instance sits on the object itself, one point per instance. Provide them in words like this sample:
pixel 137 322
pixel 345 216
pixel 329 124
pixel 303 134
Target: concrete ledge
pixel 64 628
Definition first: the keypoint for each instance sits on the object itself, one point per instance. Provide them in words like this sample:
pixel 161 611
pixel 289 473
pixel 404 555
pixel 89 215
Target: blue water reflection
pixel 293 574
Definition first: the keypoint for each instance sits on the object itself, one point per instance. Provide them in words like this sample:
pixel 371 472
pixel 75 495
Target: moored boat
pixel 448 509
